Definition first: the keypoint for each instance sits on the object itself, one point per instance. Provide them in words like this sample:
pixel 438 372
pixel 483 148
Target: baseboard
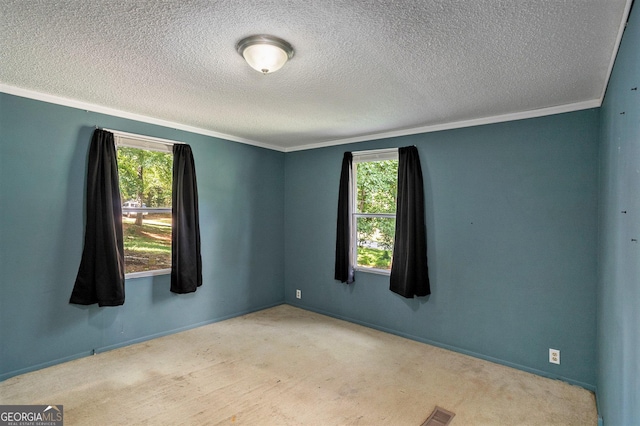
pixel 535 371
pixel 185 328
pixel 36 367
pixel 93 351
pixel 600 419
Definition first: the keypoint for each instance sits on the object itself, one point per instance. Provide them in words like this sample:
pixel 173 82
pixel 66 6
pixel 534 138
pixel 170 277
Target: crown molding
pixel 58 100
pixel 560 109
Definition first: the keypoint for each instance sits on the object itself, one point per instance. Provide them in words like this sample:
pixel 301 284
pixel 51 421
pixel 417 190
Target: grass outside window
pixel 147 246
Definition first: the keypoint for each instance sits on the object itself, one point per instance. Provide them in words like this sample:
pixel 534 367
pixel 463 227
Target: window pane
pixel 377 183
pixel 145 177
pixel 375 241
pixel 145 182
pixel 147 247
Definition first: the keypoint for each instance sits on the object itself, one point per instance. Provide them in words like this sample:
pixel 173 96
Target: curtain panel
pixel 343 266
pixel 409 270
pixel 186 258
pixel 100 276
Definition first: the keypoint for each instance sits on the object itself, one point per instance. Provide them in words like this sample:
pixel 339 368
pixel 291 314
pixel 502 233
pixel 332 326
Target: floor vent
pixel 439 417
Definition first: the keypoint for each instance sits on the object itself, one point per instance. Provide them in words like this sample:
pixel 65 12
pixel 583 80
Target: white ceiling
pixel 363 69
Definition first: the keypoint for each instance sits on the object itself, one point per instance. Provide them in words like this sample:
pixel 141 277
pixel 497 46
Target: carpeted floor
pixel 287 366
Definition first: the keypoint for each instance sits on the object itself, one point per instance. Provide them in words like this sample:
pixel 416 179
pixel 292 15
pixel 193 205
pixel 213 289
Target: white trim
pixel 372 270
pixel 141 274
pixel 145 138
pixel 146 210
pixel 559 109
pixel 58 100
pixel 364 157
pixel 374 215
pixel 375 155
pixel 132 140
pixel 614 54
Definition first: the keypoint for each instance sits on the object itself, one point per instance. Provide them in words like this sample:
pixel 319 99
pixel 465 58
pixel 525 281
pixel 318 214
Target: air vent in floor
pixel 439 417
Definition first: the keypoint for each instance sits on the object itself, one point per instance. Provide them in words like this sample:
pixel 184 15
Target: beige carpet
pixel 287 366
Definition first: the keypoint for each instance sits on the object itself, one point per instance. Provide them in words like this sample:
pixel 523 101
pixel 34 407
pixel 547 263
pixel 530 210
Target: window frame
pixel 149 143
pixel 365 157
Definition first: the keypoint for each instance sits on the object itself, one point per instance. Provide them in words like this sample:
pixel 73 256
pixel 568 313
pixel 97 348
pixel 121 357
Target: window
pixel 373 200
pixel 103 269
pixel 145 173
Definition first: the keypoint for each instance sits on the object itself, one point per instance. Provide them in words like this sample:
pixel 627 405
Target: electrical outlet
pixel 554 356
pixel 298 294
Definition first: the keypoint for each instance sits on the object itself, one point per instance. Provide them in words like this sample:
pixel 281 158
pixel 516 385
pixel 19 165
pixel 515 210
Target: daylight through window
pixel 374 192
pixel 145 173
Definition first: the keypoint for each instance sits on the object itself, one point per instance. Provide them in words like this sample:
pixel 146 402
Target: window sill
pixel 147 273
pixel 373 271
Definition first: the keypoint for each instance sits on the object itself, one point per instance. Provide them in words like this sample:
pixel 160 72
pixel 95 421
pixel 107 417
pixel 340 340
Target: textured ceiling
pixel 361 70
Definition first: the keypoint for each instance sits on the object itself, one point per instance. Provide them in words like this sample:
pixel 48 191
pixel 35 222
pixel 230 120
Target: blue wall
pixel 512 235
pixel 43 156
pixel 619 282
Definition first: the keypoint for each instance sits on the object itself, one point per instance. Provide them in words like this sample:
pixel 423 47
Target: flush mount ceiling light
pixel 265 53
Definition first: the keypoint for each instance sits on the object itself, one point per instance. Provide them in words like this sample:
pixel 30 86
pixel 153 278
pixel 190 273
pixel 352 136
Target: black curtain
pixel 409 271
pixel 100 277
pixel 186 260
pixel 344 268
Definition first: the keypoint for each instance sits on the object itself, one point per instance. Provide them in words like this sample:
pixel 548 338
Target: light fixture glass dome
pixel 265 53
